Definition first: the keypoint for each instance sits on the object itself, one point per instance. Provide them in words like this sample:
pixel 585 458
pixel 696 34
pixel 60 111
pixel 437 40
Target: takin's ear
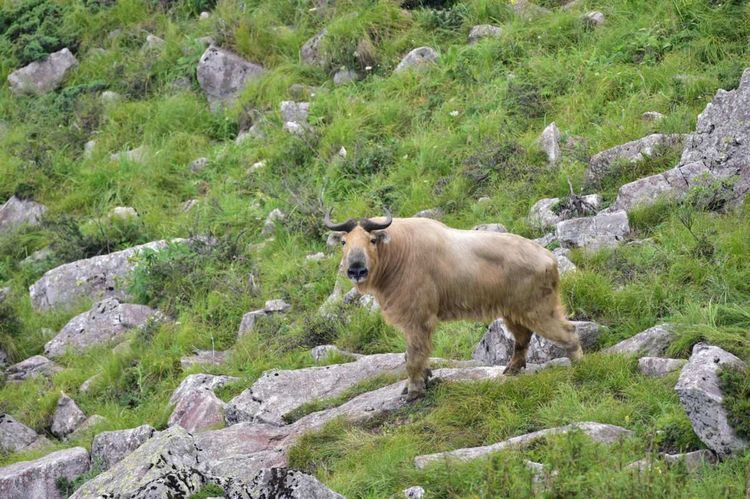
pixel 382 236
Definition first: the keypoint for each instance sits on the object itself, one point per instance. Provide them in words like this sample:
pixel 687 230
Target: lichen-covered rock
pixel 67 418
pixel 418 58
pixel 32 367
pixel 223 75
pixel 481 31
pixel 281 482
pixel 17 212
pixel 549 141
pixel 601 231
pixel 111 447
pixel 197 411
pixel 700 393
pixel 14 436
pixel 38 478
pixel 653 342
pixel 41 77
pixel 197 382
pixel 276 215
pixel 271 307
pixel 657 366
pixel 564 265
pixel 107 321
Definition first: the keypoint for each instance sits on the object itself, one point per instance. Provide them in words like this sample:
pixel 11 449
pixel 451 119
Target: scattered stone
pixel 223 75
pixel 31 368
pixel 699 390
pixel 38 478
pixel 433 213
pixel 549 141
pixel 653 342
pixel 17 212
pixel 204 358
pixel 137 155
pixel 295 111
pixel 484 200
pixel 41 77
pixel 546 239
pixel 37 257
pixel 541 476
pixel 599 432
pixel 657 366
pixel 652 116
pixel 345 76
pixel 481 31
pixel 415 492
pixel 198 165
pixel 312 51
pixel 189 205
pixel 593 19
pixel 204 15
pixel 87 426
pixel 342 152
pixel 110 97
pixel 88 149
pixel 199 382
pixel 269 226
pixel 107 321
pixel 527 10
pixel 605 230
pixel 3 353
pixel 315 257
pixel 14 436
pixel 322 352
pixel 123 212
pixel 693 461
pixel 295 128
pixel 153 42
pixel 500 228
pixel 281 482
pixel 496 347
pixel 418 59
pixel 564 265
pixel 206 41
pixel 68 417
pixel 543 214
pixel 110 447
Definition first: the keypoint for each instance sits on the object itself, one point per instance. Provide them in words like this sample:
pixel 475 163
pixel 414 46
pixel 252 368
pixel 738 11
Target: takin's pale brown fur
pixel 423 272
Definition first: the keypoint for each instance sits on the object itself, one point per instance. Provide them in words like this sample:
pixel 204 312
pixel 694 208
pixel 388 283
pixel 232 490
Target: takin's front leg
pixel 418 349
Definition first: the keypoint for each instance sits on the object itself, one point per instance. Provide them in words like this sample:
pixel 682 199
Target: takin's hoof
pixel 414 395
pixel 575 354
pixel 513 369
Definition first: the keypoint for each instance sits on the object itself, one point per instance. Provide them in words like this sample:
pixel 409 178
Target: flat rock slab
pixel 32 367
pixel 699 390
pixel 223 75
pixel 657 366
pixel 111 447
pixel 38 478
pixel 17 212
pixel 199 410
pixel 199 382
pixel 41 77
pixel 653 342
pixel 205 358
pixel 599 432
pixel 281 483
pixel 67 418
pixel 604 230
pixel 107 321
pixel 14 436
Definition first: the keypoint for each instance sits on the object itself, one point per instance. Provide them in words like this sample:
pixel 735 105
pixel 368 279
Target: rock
pixel 295 128
pixel 415 492
pixel 500 228
pixel 546 239
pixel 38 256
pixel 198 165
pixel 110 97
pixel 16 212
pixel 197 411
pixel 593 19
pixel 699 390
pixel 87 426
pixel 166 465
pixel 95 278
pixel 269 226
pixel 86 385
pixel 653 342
pixel 549 141
pixel 41 77
pixel 189 205
pixel 564 265
pixel 88 149
pixel 4 293
pixel 315 257
pixel 693 461
pixel 670 185
pixel 281 482
pixel 223 75
pixel 312 51
pixel 322 352
pixel 110 447
pixel 14 436
pixel 354 297
pixel 123 212
pixel 31 368
pixel 204 15
pixel 295 111
pixel 153 42
pixel 433 213
pixel 271 307
pixel 277 306
pixel 602 163
pixel 107 321
pixel 527 10
pixel 345 76
pixel 39 478
pixel 543 213
pixel 657 366
pixel 496 347
pixel 199 382
pixel 601 231
pixel 652 116
pixel 541 477
pixel 204 358
pixel 418 59
pixel 481 31
pixel 68 417
pixel 137 155
pixel 601 433
pixel 277 393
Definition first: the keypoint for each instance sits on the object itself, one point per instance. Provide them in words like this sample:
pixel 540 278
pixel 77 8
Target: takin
pixel 423 272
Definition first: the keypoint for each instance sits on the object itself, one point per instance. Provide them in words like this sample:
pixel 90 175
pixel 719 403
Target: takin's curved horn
pixel 369 225
pixel 342 227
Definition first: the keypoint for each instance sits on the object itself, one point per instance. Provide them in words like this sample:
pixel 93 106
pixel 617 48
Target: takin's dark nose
pixel 357 271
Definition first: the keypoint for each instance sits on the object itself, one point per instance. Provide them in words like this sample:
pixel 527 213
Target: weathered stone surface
pixel 345 76
pixel 86 385
pixel 693 461
pixel 106 322
pixel 87 426
pixel 198 411
pixel 699 390
pixel 14 436
pixel 38 478
pixel 68 416
pixel 593 18
pixel 415 492
pixel 41 77
pixel 496 347
pixel 31 368
pixel 312 51
pixel 657 366
pixel 593 233
pixel 281 483
pixel 500 228
pixel 4 293
pixel 294 128
pixel 671 185
pixel 418 58
pixel 366 301
pixel 481 31
pixel 527 10
pixel 295 111
pixel 123 212
pixel 652 116
pixel 271 307
pixel 97 277
pixel 166 465
pixel 111 447
pixel 601 164
pixel 223 75
pixel 653 342
pixel 153 42
pixel 199 382
pixel 204 358
pixel 198 165
pixel 110 97
pixel 564 265
pixel 599 432
pixel 17 212
pixel 544 213
pixel 137 155
pixel 433 213
pixel 549 141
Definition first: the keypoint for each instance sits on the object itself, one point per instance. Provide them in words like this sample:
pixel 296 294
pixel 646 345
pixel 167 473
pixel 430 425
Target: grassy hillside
pixel 463 129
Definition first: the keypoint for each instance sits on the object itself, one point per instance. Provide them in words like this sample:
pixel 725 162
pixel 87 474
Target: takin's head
pixel 360 240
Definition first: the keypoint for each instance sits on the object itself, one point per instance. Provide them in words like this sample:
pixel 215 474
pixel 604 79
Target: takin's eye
pixel 373 240
pixel 343 243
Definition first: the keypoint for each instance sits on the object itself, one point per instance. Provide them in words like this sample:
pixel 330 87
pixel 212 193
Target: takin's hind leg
pixel 418 348
pixel 561 331
pixel 522 337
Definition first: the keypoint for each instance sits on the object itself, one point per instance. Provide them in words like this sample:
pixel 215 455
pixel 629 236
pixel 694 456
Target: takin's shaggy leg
pixel 561 331
pixel 522 336
pixel 418 348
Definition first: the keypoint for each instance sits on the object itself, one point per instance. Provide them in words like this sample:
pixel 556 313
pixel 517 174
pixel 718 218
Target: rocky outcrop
pixel 601 231
pixel 111 447
pixel 658 367
pixel 223 75
pixel 564 264
pixel 196 406
pixel 14 436
pixel 17 212
pixel 41 77
pixel 39 478
pixel 31 368
pixel 601 433
pixel 68 417
pixel 419 58
pixel 496 347
pixel 653 342
pixel 106 322
pixel 281 482
pixel 312 51
pixel 692 461
pixel 481 31
pixel 549 142
pixel 547 212
pixel 700 393
pixel 433 213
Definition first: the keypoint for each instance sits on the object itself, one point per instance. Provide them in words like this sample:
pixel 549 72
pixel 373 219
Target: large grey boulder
pixel 546 212
pixel 481 31
pixel 41 77
pixel 496 346
pixel 32 367
pixel 604 230
pixel 106 322
pixel 312 51
pixel 282 483
pixel 196 406
pixel 38 478
pixel 419 58
pixel 166 465
pixel 67 418
pixel 658 366
pixel 631 152
pixel 111 447
pixel 17 212
pixel 549 141
pixel 14 436
pixel 699 389
pixel 599 432
pixel 653 342
pixel 223 75
pixel 93 278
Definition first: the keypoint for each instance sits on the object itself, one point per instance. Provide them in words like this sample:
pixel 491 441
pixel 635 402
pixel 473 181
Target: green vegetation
pixel 735 385
pixel 463 129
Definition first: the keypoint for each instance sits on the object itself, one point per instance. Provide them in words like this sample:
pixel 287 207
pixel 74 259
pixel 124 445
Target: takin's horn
pixel 369 225
pixel 342 227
